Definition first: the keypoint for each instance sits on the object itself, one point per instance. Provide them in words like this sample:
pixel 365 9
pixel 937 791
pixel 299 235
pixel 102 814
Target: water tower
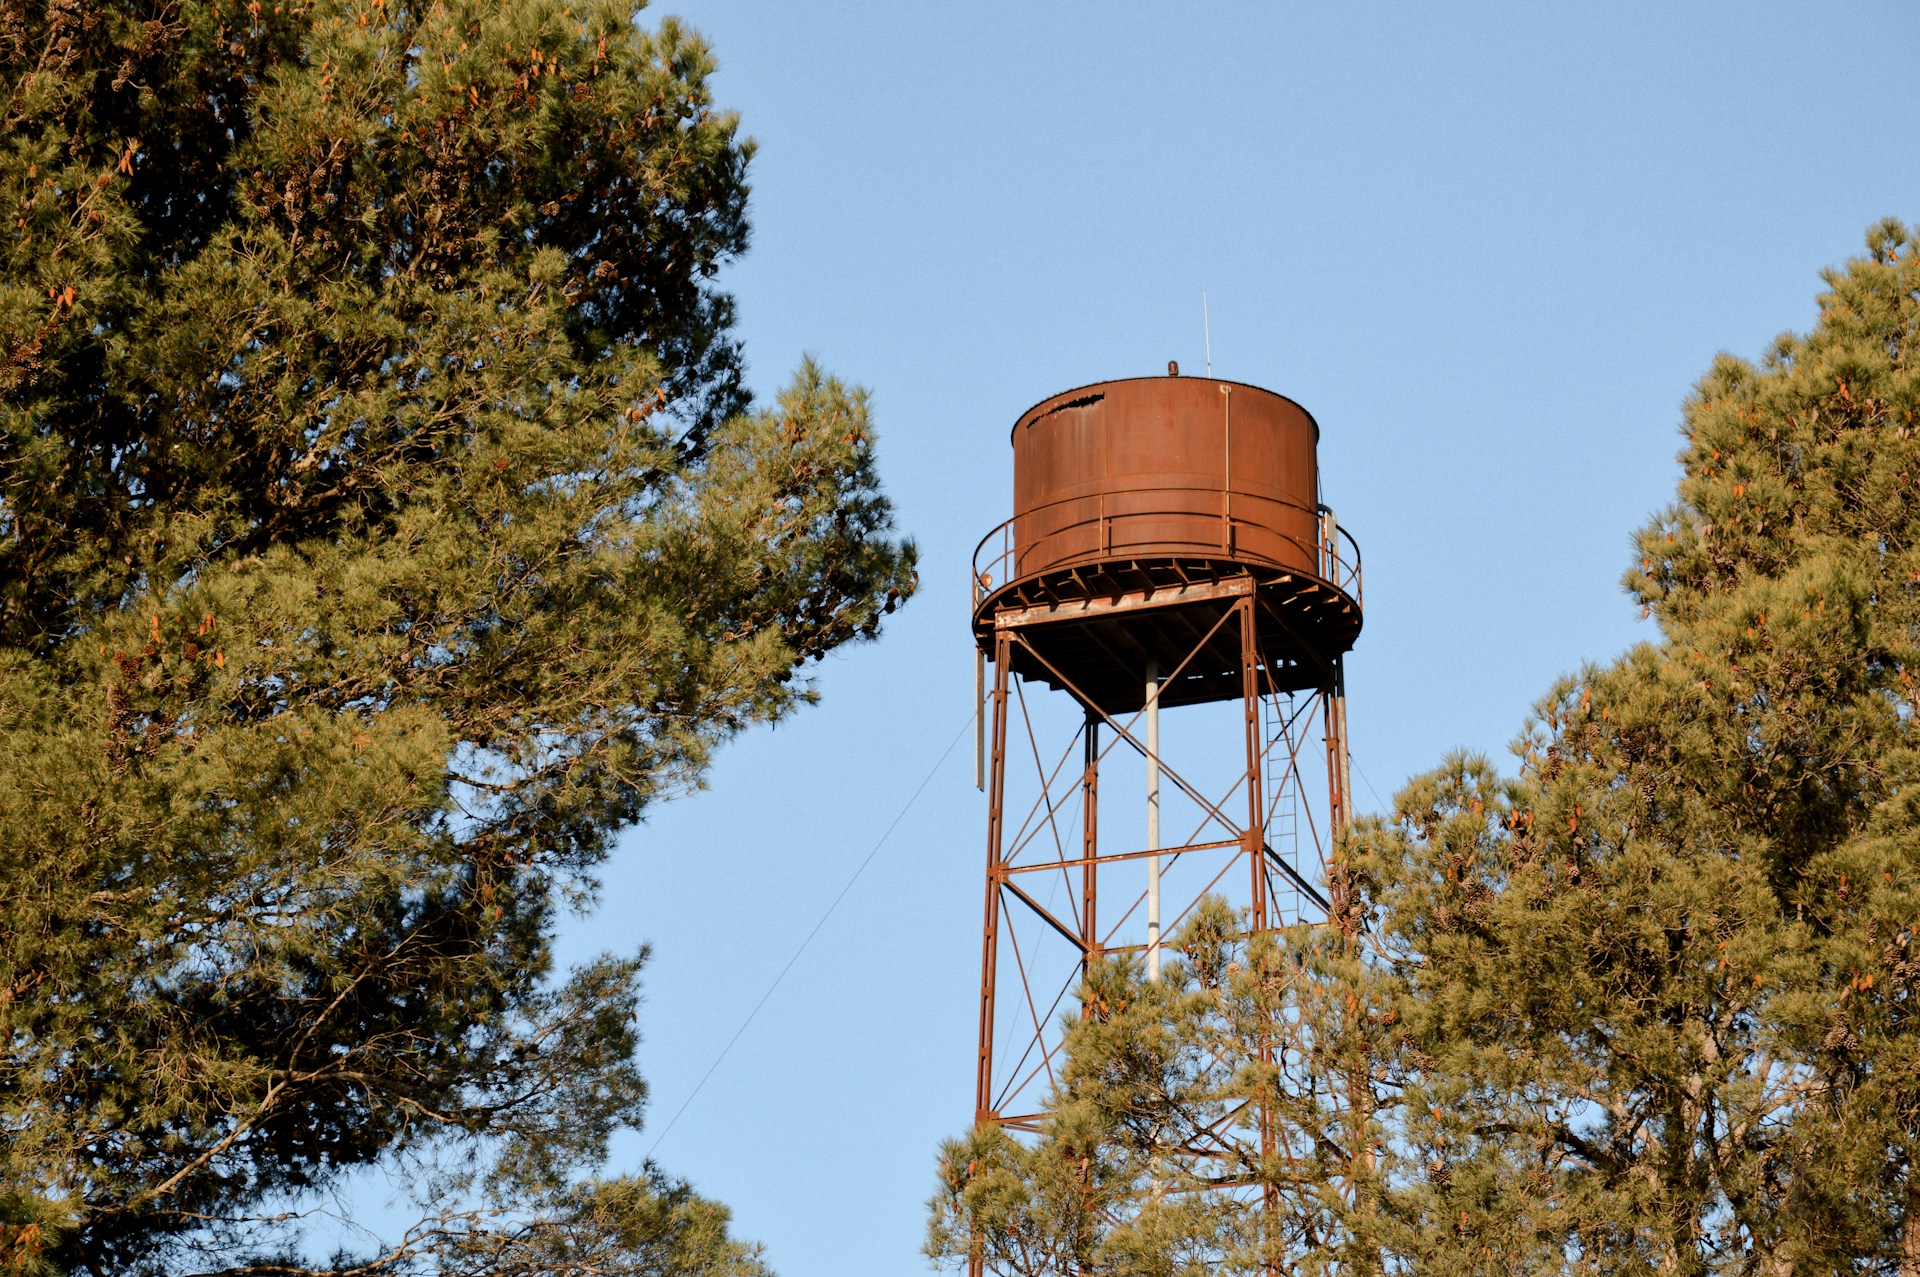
pixel 1168 548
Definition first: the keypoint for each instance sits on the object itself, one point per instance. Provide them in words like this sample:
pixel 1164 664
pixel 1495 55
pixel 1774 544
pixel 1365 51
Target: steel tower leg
pixel 1339 795
pixel 996 872
pixel 1153 819
pixel 1255 835
pixel 1090 846
pixel 1260 914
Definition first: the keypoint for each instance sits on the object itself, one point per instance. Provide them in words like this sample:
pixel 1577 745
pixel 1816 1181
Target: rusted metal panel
pixel 1165 467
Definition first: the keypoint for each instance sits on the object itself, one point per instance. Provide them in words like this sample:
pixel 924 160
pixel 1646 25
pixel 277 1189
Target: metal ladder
pixel 1282 805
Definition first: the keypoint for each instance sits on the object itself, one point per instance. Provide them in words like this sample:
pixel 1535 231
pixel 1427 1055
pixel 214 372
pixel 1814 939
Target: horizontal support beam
pixel 1045 866
pixel 1134 601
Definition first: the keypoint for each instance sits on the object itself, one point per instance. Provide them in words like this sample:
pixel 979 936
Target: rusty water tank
pixel 1165 467
pixel 1142 508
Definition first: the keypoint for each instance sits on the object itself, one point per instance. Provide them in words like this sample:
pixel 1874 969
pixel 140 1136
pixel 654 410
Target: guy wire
pixel 888 833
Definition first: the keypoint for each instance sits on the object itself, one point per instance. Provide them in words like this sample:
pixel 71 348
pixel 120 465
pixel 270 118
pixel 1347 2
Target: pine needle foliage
pixel 383 525
pixel 1154 1161
pixel 1644 1007
pixel 1653 986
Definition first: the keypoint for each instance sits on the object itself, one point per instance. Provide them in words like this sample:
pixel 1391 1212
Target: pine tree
pixel 1654 988
pixel 383 525
pixel 1644 1007
pixel 1201 1124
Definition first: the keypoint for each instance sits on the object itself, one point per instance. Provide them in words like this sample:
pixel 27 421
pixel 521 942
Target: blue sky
pixel 1489 246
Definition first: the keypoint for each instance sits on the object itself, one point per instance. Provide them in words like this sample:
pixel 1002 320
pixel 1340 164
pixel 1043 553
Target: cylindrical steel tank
pixel 1142 509
pixel 1165 467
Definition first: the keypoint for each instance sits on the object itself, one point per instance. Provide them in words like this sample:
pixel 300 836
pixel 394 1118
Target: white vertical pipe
pixel 1153 819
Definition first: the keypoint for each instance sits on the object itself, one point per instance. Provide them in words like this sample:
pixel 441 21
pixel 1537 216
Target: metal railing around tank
pixel 1000 555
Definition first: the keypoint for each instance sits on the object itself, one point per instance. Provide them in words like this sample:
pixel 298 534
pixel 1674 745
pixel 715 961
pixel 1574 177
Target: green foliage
pixel 1154 1161
pixel 380 531
pixel 1654 987
pixel 1645 1007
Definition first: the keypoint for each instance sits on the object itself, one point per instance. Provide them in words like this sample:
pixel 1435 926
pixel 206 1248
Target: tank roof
pixel 1081 392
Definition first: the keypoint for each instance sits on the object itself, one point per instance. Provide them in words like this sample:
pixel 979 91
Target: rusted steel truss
pixel 1263 842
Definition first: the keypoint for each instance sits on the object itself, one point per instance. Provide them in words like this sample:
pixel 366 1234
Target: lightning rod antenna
pixel 1206 325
